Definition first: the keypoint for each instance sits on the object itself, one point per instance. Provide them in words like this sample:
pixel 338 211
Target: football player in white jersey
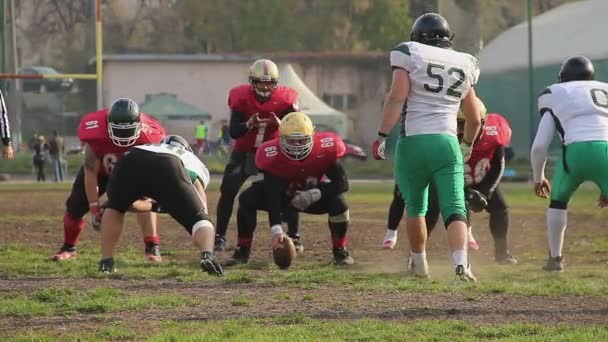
pixel 175 179
pixel 434 79
pixel 577 108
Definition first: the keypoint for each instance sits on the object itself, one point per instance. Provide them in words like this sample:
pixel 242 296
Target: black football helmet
pixel 577 68
pixel 177 141
pixel 124 122
pixel 432 29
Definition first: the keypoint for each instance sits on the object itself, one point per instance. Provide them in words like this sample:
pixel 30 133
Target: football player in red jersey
pixel 302 173
pixel 483 173
pixel 107 135
pixel 255 113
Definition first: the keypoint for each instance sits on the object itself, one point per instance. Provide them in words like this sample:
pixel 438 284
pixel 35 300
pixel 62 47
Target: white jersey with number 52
pixel 440 78
pixel 579 108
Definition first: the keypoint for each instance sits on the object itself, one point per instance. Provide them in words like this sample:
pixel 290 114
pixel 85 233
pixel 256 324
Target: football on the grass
pixel 284 254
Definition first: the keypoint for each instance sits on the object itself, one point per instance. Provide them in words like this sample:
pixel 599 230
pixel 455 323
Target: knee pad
pixel 453 218
pixel 558 205
pixel 340 218
pixel 202 224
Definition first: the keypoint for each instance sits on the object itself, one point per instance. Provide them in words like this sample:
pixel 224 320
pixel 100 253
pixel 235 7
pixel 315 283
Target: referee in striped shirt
pixel 5 130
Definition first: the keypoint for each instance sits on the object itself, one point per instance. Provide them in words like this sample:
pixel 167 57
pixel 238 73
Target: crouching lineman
pixel 176 180
pixel 302 174
pixel 482 175
pixel 577 107
pixel 107 135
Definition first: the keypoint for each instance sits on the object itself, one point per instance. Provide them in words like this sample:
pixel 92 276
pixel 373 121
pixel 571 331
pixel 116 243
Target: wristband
pixel 382 135
pixel 276 229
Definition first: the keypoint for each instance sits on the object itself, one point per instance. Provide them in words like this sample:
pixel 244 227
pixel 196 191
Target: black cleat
pixel 152 252
pixel 210 265
pixel 297 242
pixel 342 257
pixel 107 265
pixel 220 243
pixel 240 256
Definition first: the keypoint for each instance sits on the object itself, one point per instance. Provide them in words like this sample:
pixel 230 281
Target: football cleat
pixel 107 265
pixel 210 265
pixel 152 252
pixel 342 257
pixel 240 256
pixel 420 269
pixel 554 264
pixel 297 242
pixel 220 243
pixel 65 253
pixel 390 239
pixel 464 274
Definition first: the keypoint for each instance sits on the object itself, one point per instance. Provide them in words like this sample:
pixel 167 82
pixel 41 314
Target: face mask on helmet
pixel 263 77
pixel 124 134
pixel 263 89
pixel 296 146
pixel 124 122
pixel 296 135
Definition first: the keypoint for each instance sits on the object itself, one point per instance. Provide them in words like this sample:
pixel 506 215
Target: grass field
pixel 373 300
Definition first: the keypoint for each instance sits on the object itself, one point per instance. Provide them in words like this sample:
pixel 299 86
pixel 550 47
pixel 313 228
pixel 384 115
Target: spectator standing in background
pixel 56 151
pixel 40 151
pixel 201 136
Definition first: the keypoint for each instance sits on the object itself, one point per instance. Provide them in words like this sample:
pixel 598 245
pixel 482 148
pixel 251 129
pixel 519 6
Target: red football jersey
pixel 301 174
pixel 93 130
pixel 242 99
pixel 496 133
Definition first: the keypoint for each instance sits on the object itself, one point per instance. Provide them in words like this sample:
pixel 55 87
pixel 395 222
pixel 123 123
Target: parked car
pixel 43 85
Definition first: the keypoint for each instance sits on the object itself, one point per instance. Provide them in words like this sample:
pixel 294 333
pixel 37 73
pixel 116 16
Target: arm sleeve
pixel 493 177
pixel 338 184
pixel 5 130
pixel 238 125
pixel 540 147
pixel 274 188
pixel 293 108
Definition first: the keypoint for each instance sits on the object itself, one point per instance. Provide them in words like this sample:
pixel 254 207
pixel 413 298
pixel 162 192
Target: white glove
pixel 466 151
pixel 304 199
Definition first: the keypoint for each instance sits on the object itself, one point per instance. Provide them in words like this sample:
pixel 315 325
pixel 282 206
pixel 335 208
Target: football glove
pixel 476 201
pixel 273 121
pixel 378 148
pixel 96 215
pixel 254 121
pixel 304 199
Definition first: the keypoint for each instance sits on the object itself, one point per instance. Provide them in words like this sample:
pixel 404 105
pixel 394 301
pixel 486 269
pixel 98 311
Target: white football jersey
pixel 579 108
pixel 191 162
pixel 440 78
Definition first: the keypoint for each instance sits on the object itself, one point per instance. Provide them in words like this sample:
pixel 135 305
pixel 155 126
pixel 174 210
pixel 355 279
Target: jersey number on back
pixel 599 97
pixel 435 71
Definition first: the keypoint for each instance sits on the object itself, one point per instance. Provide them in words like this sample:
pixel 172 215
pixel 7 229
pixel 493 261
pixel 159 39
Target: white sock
pixel 460 257
pixel 557 219
pixel 418 258
pixel 390 234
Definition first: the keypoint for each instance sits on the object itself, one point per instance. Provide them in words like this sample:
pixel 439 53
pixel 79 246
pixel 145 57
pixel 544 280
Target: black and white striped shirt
pixel 5 130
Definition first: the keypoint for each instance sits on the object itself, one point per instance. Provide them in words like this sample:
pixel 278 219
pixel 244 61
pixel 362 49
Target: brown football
pixel 284 254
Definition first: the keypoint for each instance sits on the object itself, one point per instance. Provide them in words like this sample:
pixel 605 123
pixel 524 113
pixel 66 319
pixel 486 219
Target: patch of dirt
pixel 214 300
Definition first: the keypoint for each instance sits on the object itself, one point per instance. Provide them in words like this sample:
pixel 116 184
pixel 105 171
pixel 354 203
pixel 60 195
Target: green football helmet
pixel 124 122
